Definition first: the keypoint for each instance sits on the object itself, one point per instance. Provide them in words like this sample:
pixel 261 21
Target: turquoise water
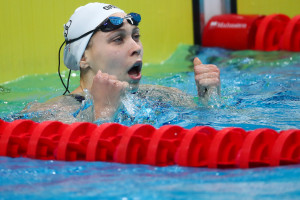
pixel 34 179
pixel 259 89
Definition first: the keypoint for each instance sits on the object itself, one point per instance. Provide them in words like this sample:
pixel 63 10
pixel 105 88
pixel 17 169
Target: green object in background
pixel 180 61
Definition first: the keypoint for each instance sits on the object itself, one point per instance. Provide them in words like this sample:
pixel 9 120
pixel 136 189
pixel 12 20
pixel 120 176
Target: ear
pixel 83 62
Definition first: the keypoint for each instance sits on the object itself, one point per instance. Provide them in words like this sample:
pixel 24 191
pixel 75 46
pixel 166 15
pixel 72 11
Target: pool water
pixel 34 179
pixel 259 89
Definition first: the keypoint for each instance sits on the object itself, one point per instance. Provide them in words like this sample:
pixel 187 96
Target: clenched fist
pixel 207 76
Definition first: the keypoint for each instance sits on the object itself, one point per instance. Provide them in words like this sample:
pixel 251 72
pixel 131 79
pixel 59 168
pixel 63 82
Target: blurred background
pixel 32 30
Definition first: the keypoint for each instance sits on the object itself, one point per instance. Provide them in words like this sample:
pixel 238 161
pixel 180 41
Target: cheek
pixel 104 60
pixel 114 62
pixel 113 57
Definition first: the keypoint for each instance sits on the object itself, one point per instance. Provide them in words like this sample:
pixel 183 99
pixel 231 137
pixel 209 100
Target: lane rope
pixel 201 146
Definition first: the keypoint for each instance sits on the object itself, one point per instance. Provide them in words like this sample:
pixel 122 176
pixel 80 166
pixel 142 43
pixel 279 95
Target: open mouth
pixel 135 71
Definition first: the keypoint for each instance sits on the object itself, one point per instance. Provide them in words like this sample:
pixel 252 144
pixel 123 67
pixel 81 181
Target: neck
pixel 86 81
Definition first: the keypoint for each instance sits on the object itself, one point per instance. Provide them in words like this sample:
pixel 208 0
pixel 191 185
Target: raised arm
pixel 207 78
pixel 106 91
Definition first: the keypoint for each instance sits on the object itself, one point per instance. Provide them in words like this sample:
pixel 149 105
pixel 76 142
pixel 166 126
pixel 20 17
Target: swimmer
pixel 103 42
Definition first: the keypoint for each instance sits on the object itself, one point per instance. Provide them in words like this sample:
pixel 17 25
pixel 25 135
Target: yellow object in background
pixel 32 31
pixel 290 8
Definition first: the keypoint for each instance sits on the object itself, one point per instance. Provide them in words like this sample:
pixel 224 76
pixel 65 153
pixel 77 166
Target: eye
pixel 117 39
pixel 136 36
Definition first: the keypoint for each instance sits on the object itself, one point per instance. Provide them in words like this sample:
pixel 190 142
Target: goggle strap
pixel 75 39
pixel 65 86
pixel 130 20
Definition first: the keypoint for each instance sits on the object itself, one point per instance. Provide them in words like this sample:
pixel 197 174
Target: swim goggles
pixel 112 23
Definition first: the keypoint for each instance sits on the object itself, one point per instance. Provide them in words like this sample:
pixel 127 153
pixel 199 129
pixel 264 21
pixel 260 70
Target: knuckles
pixel 207 75
pixel 206 68
pixel 107 80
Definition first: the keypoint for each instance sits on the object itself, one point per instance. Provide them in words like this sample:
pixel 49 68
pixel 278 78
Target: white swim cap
pixel 84 19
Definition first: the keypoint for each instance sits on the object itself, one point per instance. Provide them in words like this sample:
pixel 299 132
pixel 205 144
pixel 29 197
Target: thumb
pixel 197 61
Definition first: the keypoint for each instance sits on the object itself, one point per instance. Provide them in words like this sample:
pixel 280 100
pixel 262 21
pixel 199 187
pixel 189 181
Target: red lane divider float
pixel 225 147
pixel 231 31
pixel 270 31
pixel 44 140
pixel 15 137
pixel 265 33
pixel 291 36
pixel 256 148
pixel 134 144
pixel 194 146
pixel 200 146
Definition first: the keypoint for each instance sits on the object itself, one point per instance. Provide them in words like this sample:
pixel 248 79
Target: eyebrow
pixel 135 29
pixel 122 31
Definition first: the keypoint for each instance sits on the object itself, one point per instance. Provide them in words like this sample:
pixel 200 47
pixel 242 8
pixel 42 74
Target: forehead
pixel 118 14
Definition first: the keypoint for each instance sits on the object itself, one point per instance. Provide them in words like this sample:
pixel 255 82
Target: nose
pixel 136 48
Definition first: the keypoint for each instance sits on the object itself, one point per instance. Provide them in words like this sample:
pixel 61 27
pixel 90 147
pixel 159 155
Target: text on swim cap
pixel 109 7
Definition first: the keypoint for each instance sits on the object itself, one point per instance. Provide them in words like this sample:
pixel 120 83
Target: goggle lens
pixel 136 17
pixel 116 20
pixel 113 23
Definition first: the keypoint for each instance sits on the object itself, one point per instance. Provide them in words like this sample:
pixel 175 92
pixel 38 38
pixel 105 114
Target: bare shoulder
pixel 170 94
pixel 58 108
pixel 54 103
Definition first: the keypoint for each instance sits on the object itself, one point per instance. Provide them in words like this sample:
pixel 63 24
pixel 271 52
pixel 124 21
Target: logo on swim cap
pixel 67 26
pixel 109 7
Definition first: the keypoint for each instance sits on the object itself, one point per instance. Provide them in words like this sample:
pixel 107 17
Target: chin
pixel 133 87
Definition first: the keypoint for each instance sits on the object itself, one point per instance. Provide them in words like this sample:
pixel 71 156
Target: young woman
pixel 103 42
